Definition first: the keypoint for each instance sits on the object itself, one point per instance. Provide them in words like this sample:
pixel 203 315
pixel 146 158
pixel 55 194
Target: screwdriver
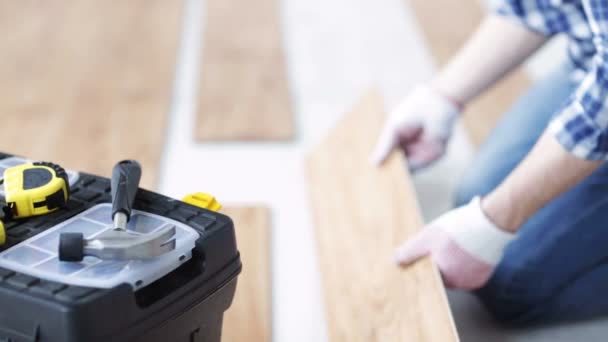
pixel 125 182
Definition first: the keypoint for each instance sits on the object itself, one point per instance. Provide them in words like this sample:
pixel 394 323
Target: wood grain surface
pixel 249 318
pixel 458 20
pixel 361 215
pixel 87 83
pixel 244 93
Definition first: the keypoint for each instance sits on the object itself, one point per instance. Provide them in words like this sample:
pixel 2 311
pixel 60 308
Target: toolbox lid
pixel 38 256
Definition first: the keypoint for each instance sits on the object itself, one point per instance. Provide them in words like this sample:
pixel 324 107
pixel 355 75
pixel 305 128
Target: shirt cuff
pixel 532 20
pixel 580 136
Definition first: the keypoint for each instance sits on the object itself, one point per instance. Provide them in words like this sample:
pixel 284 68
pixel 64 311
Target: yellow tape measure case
pixel 35 189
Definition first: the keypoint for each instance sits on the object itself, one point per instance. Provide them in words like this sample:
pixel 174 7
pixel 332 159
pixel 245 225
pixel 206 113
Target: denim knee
pixel 510 308
pixel 479 181
pixel 465 192
pixel 516 295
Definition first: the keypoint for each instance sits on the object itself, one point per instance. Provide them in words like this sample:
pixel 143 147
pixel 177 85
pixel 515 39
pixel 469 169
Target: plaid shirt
pixel 581 125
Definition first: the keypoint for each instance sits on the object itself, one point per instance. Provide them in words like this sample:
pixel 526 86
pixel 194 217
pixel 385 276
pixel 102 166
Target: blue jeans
pixel 557 267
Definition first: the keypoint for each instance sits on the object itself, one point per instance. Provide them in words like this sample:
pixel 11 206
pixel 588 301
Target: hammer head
pixel 123 245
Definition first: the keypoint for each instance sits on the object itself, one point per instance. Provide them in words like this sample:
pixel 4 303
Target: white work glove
pixel 420 125
pixel 464 244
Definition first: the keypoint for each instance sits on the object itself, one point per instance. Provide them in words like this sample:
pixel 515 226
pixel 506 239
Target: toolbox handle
pixel 125 182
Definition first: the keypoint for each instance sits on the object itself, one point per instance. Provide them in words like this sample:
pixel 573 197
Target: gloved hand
pixel 464 244
pixel 421 126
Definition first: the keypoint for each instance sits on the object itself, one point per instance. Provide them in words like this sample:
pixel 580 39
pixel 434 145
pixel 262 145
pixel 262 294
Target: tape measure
pixel 34 189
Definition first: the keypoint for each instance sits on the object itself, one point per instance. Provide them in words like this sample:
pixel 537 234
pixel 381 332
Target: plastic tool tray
pixel 38 256
pixel 187 304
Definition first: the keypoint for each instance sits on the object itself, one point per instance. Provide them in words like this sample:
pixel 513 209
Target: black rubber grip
pixel 71 247
pixel 36 177
pixel 125 182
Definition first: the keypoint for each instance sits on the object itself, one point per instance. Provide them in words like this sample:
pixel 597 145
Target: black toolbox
pixel 188 304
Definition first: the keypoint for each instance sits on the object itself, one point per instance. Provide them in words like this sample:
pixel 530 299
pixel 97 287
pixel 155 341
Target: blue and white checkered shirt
pixel 581 126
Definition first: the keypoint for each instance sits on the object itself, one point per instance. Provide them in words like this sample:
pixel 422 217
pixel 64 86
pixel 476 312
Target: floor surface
pixel 335 51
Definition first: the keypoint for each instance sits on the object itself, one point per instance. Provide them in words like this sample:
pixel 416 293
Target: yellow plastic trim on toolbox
pixel 2 234
pixel 203 200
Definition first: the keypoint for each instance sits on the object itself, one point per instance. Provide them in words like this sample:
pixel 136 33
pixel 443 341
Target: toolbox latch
pixel 203 200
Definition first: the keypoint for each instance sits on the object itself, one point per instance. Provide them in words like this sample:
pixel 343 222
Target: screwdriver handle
pixel 125 182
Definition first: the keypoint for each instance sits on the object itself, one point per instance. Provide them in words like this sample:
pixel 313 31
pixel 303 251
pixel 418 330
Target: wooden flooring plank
pixel 244 92
pixel 249 317
pixel 458 20
pixel 361 215
pixel 87 83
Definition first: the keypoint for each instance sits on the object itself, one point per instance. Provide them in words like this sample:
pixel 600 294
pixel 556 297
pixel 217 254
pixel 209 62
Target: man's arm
pixel 466 243
pixel 421 125
pixel 573 146
pixel 544 174
pixel 496 47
